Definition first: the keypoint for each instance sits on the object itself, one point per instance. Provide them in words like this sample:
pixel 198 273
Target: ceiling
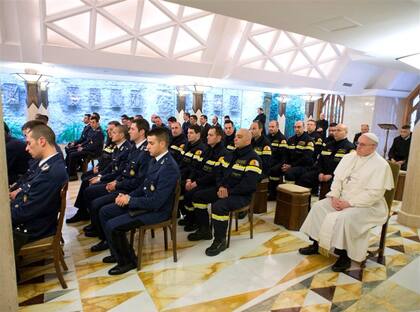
pixel 163 40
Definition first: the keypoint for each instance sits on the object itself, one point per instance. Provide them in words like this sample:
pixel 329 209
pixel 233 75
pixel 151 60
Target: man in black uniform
pixel 261 118
pixel 279 155
pixel 204 177
pixel 17 156
pixel 150 203
pixel 318 141
pixel 177 142
pixel 261 146
pixel 186 123
pixel 331 130
pixel 92 146
pixel 72 146
pixel 364 128
pixel 34 209
pixel 331 155
pixel 229 135
pixel 322 126
pixel 400 148
pixel 300 156
pixel 96 185
pixel 191 160
pixel 204 128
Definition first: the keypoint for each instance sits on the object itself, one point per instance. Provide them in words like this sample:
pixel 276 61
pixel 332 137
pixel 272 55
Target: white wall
pixel 358 110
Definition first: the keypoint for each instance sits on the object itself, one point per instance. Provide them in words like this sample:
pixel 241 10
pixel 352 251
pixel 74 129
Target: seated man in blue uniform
pixel 96 186
pixel 72 146
pixel 150 203
pixel 34 209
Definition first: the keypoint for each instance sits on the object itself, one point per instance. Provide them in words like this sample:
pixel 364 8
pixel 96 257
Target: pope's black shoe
pixel 109 259
pixel 343 263
pixel 92 233
pixel 102 245
pixel 79 216
pixel 309 250
pixel 200 235
pixel 121 269
pixel 88 228
pixel 217 247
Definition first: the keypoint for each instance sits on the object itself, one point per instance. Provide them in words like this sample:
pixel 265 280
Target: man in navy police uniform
pixel 34 209
pixel 150 203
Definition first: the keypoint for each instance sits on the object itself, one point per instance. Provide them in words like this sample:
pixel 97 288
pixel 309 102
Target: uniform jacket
pixel 229 141
pixel 118 163
pixel 36 206
pixel 204 131
pixel 241 173
pixel 84 135
pixel 94 142
pixel 17 158
pixel 263 149
pixel 176 147
pixel 318 142
pixel 400 148
pixel 191 158
pixel 210 170
pixel 301 151
pixel 156 193
pixel 278 148
pixel 332 154
pixel 135 169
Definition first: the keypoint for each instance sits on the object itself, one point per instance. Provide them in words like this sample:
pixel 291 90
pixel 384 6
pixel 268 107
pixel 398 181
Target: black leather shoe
pixel 109 259
pixel 190 227
pixel 200 235
pixel 91 233
pixel 309 250
pixel 121 269
pixel 217 247
pixel 182 222
pixel 79 216
pixel 88 228
pixel 343 263
pixel 102 245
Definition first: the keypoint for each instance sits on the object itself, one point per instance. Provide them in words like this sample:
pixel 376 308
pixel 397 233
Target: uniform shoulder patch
pixel 182 146
pixel 319 140
pixel 254 162
pixel 222 158
pixel 198 152
pixel 45 167
pixel 267 148
pixel 310 143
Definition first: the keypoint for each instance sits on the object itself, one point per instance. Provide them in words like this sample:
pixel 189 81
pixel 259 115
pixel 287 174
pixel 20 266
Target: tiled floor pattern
pixel 262 274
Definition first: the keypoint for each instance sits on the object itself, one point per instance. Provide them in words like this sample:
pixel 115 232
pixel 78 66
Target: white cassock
pixel 362 182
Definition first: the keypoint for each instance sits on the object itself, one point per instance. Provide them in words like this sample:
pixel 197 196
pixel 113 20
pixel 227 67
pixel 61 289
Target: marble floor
pixel 262 274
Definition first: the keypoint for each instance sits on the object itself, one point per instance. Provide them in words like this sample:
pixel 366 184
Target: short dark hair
pixel 333 124
pixel 31 124
pixel 194 117
pixel 161 134
pixel 406 127
pixel 204 116
pixel 123 129
pixel 43 131
pixel 217 118
pixel 41 117
pixel 229 122
pixel 172 119
pixel 226 117
pixel 124 116
pixel 188 114
pixel 142 124
pixel 138 117
pixel 218 130
pixel 259 123
pixel 97 115
pixel 87 115
pixel 311 120
pixel 114 122
pixel 196 128
pixel 94 117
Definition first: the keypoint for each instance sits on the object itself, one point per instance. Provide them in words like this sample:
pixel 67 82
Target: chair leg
pixel 229 228
pixel 58 269
pixel 382 243
pixel 251 223
pixel 132 233
pixel 165 237
pixel 363 264
pixel 173 235
pixel 152 233
pixel 63 263
pixel 140 248
pixel 236 222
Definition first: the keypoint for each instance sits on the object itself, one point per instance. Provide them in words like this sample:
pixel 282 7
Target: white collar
pixel 160 156
pixel 46 159
pixel 119 145
pixel 139 144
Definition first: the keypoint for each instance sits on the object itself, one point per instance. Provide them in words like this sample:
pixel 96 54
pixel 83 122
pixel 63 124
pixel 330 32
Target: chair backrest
pixel 389 194
pixel 177 193
pixel 60 221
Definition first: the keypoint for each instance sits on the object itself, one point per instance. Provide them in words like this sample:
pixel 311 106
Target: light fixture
pixel 412 60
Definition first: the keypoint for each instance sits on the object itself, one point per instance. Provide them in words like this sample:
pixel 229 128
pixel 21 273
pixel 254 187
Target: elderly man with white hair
pixel 354 205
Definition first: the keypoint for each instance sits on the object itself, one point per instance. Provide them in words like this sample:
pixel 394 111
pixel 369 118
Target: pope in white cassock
pixel 354 205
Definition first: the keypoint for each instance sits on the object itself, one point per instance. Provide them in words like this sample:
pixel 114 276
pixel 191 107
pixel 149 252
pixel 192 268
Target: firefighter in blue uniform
pixel 132 177
pixel 204 177
pixel 92 146
pixel 316 136
pixel 279 154
pixel 177 142
pixel 151 203
pixel 328 160
pixel 261 146
pixel 35 207
pixel 300 156
pixel 96 186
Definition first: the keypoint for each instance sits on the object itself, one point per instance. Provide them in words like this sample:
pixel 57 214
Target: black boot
pixel 217 247
pixel 343 262
pixel 200 234
pixel 309 250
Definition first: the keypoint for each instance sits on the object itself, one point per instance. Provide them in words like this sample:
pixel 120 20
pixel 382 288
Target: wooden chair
pixel 234 214
pixel 86 161
pixel 170 223
pixel 324 188
pixel 389 197
pixel 261 194
pixel 53 242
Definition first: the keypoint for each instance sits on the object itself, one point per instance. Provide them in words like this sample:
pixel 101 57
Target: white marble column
pixel 410 210
pixel 8 290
